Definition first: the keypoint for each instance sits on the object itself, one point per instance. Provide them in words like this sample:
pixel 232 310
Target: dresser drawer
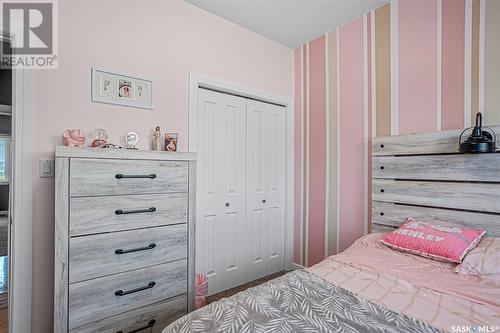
pixel 92 215
pixel 153 318
pixel 94 177
pixel 99 255
pixel 100 298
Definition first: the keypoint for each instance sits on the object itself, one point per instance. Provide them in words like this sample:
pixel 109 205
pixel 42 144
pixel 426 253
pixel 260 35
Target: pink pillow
pixel 432 240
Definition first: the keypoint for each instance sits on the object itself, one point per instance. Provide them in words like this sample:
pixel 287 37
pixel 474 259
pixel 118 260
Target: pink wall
pixel 351 126
pixel 297 229
pixel 370 110
pixel 453 60
pixel 159 40
pixel 417 55
pixel 317 150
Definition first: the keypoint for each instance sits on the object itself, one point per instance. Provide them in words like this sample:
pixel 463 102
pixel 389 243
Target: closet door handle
pixel 264 201
pixel 137 249
pixel 151 323
pixel 122 176
pixel 131 291
pixel 136 211
pixel 226 204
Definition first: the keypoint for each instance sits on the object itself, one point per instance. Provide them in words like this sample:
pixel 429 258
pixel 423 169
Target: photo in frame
pixel 121 89
pixel 171 141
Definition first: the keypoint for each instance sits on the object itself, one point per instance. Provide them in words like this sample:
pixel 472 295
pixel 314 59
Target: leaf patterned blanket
pixel 299 301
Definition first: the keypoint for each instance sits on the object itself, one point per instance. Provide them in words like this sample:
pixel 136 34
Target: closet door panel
pixel 274 188
pixel 265 181
pixel 234 146
pixel 210 213
pixel 221 151
pixel 256 217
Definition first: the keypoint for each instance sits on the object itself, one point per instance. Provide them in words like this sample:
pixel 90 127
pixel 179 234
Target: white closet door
pixel 222 172
pixel 265 188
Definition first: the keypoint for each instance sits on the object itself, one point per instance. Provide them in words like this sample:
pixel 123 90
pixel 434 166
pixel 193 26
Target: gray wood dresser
pixel 124 239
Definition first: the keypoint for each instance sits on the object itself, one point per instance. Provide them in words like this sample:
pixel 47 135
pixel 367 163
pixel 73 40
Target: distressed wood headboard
pixel 424 176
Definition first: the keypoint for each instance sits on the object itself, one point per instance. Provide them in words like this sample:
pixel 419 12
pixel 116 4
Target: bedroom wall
pixel 161 40
pixel 407 67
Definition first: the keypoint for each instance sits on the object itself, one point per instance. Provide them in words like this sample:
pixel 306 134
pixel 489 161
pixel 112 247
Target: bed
pixel 370 287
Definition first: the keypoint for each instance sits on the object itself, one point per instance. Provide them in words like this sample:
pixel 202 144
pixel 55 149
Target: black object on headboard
pixel 479 141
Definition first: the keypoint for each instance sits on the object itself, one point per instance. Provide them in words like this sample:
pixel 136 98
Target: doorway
pixel 5 190
pixel 17 104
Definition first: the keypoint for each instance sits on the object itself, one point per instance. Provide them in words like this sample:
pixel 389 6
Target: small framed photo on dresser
pixel 171 141
pixel 121 89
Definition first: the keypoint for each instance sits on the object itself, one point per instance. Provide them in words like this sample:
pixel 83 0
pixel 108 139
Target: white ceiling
pixel 290 22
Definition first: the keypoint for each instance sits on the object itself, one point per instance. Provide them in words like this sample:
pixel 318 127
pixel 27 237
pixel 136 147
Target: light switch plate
pixel 46 168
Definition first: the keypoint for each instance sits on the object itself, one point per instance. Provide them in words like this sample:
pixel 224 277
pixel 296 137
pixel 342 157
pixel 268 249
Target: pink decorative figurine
pixel 73 137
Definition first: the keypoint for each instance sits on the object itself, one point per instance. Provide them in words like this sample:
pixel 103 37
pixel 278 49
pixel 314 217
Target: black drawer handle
pixel 149 247
pixel 151 323
pixel 123 293
pixel 122 176
pixel 136 211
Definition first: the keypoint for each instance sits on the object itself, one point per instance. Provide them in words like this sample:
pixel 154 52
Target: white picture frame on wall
pixel 121 89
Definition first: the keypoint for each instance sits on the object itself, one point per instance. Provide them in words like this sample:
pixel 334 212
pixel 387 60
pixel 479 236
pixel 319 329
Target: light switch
pixel 46 168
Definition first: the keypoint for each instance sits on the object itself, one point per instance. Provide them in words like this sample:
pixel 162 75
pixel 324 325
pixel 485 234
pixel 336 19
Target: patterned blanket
pixel 299 301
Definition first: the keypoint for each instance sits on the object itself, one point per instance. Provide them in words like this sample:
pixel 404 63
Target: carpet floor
pixel 230 292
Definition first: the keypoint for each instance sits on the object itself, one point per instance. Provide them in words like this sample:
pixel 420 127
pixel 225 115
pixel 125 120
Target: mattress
pixel 422 288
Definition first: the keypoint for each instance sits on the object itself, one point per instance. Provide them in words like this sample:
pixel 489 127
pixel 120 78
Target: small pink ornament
pixel 73 137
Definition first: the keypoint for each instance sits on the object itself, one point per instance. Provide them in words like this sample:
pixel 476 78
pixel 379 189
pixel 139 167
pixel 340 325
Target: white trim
pixel 197 80
pixel 394 69
pixel 374 73
pixel 365 124
pixel 21 205
pixel 327 145
pixel 468 64
pixel 338 141
pixel 482 19
pixel 308 140
pixel 439 61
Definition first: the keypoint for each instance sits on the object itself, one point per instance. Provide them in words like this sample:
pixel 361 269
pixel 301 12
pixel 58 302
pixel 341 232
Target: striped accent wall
pixel 407 67
pixel 317 151
pixel 453 66
pixel 299 158
pixel 351 127
pixel 491 54
pixel 417 66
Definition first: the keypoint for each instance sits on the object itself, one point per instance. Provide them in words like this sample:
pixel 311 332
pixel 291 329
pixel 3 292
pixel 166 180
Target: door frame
pixel 21 198
pixel 198 80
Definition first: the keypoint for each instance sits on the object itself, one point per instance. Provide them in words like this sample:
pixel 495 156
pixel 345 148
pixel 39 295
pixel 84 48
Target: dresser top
pixel 129 154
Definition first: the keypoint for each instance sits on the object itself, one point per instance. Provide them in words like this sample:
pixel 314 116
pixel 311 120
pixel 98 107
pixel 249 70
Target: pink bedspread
pixel 419 287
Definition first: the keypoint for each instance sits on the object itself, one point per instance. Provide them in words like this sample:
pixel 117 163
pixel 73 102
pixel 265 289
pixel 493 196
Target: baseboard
pixel 295 266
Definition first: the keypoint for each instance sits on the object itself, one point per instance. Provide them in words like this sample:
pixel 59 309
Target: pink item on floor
pixel 201 290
